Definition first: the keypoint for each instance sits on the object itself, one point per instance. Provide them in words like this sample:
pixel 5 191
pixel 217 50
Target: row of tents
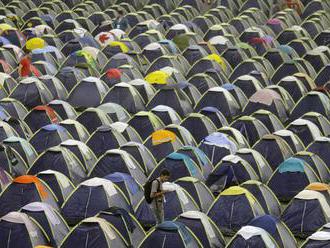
pixel 231 96
pixel 248 213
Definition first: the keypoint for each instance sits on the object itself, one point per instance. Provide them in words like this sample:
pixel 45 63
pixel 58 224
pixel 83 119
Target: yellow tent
pixel 218 59
pixel 5 27
pixel 122 46
pixel 35 43
pixel 237 190
pixel 162 136
pixel 157 77
pixel 318 187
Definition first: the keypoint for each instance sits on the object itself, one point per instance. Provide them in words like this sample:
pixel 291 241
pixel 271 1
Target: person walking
pixel 157 196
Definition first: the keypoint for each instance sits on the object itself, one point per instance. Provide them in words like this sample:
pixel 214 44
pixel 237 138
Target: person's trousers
pixel 158 210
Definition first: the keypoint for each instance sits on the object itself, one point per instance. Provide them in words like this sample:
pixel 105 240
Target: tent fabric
pixel 291 165
pixel 249 231
pixel 231 96
pixel 35 236
pixel 162 136
pixel 32 179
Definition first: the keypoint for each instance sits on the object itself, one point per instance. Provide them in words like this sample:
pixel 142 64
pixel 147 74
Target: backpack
pixel 147 190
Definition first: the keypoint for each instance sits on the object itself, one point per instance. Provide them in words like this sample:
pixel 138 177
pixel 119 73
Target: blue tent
pixel 234 208
pixel 116 160
pixel 48 136
pixel 60 159
pixel 59 183
pixel 179 165
pixel 265 197
pixel 20 230
pixel 203 228
pixel 170 234
pixel 128 185
pixel 23 190
pixel 49 219
pixel 321 147
pixel 307 201
pixel 251 236
pixel 217 145
pixel 199 158
pixel 292 176
pixel 94 232
pixel 126 224
pixel 231 171
pixel 91 197
pixel 105 138
pixel 277 229
pixel 198 191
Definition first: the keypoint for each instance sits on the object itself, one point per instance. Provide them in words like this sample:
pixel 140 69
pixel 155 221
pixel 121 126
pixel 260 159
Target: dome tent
pixel 63 109
pixel 60 159
pixel 34 190
pixel 276 228
pixel 141 154
pixel 128 185
pixel 198 125
pixel 198 190
pixel 126 224
pixel 217 145
pixel 49 219
pixel 82 152
pixel 264 195
pixel 76 130
pixel 92 118
pixel 251 235
pixel 145 123
pixel 317 239
pixel 316 163
pixel 232 170
pixel 41 116
pixel 19 230
pixel 116 160
pixel 179 165
pixel 291 139
pixel 91 86
pixel 92 232
pixel 90 197
pixel 298 222
pixel 274 148
pixel 103 139
pixel 257 162
pixel 251 128
pixel 48 136
pixel 199 157
pixel 182 134
pixel 181 236
pixel 31 92
pixel 22 147
pixel 127 131
pixel 291 176
pixel 267 99
pixel 240 203
pixel 203 227
pixel 161 143
pixel 321 147
pixel 306 130
pixel 166 114
pixel 58 182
